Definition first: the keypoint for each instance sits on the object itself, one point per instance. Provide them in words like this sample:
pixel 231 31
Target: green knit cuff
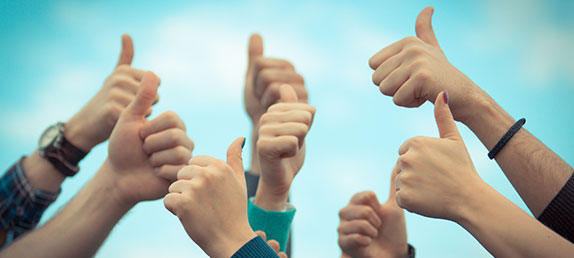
pixel 275 224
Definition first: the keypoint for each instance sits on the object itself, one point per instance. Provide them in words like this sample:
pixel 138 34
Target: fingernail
pixel 445 96
pixel 243 144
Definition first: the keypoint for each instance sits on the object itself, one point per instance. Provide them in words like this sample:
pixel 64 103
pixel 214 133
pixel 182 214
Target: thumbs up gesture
pixel 415 69
pixel 93 124
pixel 146 155
pixel 264 77
pixel 210 199
pixel 435 176
pixel 281 148
pixel 371 229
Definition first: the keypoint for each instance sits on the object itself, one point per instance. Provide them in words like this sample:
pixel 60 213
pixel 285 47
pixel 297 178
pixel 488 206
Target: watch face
pixel 48 136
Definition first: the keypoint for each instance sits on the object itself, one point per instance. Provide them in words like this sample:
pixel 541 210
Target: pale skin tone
pixel 210 199
pixel 93 124
pixel 415 69
pixel 137 169
pixel 371 229
pixel 263 79
pixel 436 178
pixel 281 148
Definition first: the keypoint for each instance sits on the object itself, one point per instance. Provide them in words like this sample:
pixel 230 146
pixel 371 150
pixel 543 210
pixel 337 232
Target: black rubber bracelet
pixel 506 137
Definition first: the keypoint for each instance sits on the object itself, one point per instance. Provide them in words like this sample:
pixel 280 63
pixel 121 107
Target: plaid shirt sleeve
pixel 21 206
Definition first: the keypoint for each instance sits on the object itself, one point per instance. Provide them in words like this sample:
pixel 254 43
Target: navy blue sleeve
pixel 255 248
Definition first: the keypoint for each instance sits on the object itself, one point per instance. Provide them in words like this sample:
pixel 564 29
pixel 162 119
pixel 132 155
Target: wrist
pixel 107 176
pixel 229 243
pixel 75 133
pixel 270 198
pixel 474 203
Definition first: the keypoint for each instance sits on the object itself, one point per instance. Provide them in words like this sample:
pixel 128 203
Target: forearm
pixel 534 170
pixel 81 227
pixel 254 168
pixel 507 231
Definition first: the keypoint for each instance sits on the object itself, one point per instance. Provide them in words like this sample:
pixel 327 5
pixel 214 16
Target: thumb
pixel 423 27
pixel 444 120
pixel 287 93
pixel 127 54
pixel 255 48
pixel 393 191
pixel 235 159
pixel 145 96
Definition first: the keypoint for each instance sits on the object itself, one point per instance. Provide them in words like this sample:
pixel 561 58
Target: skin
pixel 415 69
pixel 436 178
pixel 128 176
pixel 272 243
pixel 281 148
pixel 371 229
pixel 210 200
pixel 263 79
pixel 93 124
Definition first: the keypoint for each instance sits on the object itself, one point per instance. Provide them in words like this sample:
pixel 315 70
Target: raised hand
pixel 281 148
pixel 146 155
pixel 435 176
pixel 93 124
pixel 415 69
pixel 263 78
pixel 272 243
pixel 210 200
pixel 371 229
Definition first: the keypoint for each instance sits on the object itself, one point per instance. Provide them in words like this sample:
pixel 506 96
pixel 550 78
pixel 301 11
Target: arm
pixel 144 157
pixel 436 178
pixel 415 70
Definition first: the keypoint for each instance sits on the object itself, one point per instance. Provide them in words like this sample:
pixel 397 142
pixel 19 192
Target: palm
pixel 136 177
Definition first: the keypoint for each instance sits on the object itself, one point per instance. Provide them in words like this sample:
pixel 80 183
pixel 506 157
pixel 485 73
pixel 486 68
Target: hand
pixel 146 155
pixel 281 148
pixel 93 124
pixel 272 243
pixel 263 78
pixel 210 200
pixel 436 177
pixel 415 69
pixel 370 229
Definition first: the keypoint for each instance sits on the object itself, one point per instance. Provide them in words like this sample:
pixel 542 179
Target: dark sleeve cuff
pixel 559 214
pixel 255 248
pixel 411 253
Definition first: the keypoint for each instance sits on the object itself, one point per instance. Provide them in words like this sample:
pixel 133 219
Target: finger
pixel 287 94
pixel 255 49
pixel 203 161
pixel 235 158
pixel 167 120
pixel 261 234
pixel 360 226
pixel 189 172
pixel 127 53
pixel 443 116
pixel 290 116
pixel 391 84
pixel 268 76
pixel 353 241
pixel 278 147
pixel 285 107
pixel 263 63
pixel 169 172
pixel 145 96
pixel 167 139
pixel 282 255
pixel 406 95
pixel 387 67
pixel 424 29
pixel 367 198
pixel 178 155
pixel 298 130
pixel 360 212
pixel 377 59
pixel 172 201
pixel 179 186
pixel 392 191
pixel 274 245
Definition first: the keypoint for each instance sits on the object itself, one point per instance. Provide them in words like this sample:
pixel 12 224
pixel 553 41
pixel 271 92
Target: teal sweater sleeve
pixel 275 224
pixel 255 248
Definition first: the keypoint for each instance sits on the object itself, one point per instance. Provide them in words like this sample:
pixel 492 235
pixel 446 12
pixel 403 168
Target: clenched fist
pixel 435 176
pixel 371 229
pixel 146 155
pixel 210 200
pixel 93 124
pixel 281 148
pixel 415 69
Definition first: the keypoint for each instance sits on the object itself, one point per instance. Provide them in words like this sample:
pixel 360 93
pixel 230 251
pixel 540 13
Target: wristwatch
pixel 55 148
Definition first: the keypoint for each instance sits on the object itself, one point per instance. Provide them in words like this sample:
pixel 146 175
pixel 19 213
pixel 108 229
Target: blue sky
pixel 56 54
